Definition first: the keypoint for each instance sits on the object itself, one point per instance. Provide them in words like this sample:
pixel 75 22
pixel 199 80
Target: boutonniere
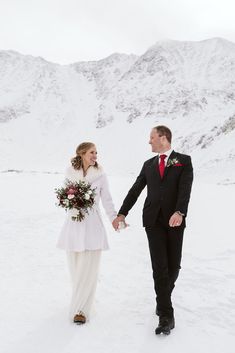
pixel 174 162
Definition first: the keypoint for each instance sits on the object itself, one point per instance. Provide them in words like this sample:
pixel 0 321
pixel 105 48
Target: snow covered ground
pixel 35 283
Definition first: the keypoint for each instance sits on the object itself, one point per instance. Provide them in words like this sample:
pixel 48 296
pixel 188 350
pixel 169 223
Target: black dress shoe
pixel 165 325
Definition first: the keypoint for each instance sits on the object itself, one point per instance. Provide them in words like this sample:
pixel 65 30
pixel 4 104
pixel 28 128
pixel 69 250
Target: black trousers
pixel 165 245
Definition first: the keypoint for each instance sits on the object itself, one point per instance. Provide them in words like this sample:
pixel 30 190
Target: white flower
pixel 89 192
pixel 171 162
pixel 87 196
pixel 71 196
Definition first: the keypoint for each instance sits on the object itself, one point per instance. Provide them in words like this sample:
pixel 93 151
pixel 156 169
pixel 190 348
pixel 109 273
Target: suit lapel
pixel 156 167
pixel 171 156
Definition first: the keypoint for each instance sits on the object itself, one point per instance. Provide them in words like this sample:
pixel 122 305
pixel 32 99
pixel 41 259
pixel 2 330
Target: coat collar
pixel 92 174
pixel 172 155
pixel 167 153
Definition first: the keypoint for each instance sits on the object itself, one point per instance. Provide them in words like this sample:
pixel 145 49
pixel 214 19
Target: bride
pixel 85 240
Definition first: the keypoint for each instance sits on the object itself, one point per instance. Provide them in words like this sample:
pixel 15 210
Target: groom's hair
pixel 164 131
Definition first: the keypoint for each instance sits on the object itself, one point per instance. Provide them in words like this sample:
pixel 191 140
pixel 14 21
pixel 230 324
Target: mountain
pixel 46 109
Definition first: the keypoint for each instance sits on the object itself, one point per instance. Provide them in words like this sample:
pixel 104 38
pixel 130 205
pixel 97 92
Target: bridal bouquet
pixel 77 196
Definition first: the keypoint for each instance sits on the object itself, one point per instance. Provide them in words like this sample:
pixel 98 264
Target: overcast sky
pixel 66 31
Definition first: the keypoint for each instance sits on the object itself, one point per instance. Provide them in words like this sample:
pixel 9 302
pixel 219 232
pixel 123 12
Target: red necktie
pixel 162 164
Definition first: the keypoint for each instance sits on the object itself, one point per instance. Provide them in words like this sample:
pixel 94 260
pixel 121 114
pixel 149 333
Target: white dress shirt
pixel 167 153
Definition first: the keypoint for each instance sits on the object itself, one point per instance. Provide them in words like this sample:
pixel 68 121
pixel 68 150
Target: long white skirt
pixel 84 269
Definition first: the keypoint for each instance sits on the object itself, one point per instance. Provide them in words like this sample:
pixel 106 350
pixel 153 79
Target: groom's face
pixel 156 141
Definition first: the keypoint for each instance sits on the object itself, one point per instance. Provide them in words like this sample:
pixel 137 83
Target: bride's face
pixel 90 157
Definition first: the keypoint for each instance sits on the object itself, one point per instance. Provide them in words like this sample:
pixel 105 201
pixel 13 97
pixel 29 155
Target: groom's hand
pixel 115 223
pixel 175 220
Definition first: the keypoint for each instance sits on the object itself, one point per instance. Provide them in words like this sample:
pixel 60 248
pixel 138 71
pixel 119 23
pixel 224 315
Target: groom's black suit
pixel 164 197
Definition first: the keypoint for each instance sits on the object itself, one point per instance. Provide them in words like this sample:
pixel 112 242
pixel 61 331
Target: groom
pixel 168 177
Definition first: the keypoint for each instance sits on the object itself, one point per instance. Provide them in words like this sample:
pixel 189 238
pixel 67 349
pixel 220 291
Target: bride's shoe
pixel 79 318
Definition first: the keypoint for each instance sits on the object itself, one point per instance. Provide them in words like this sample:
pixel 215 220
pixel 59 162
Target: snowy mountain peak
pixel 187 85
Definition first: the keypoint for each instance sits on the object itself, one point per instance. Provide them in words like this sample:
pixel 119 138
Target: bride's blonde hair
pixel 80 150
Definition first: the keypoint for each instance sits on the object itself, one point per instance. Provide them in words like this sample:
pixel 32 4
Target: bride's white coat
pixel 89 234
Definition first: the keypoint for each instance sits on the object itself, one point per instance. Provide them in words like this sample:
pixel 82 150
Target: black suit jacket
pixel 169 194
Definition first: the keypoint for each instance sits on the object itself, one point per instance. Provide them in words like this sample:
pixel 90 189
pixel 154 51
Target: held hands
pixel 117 220
pixel 175 220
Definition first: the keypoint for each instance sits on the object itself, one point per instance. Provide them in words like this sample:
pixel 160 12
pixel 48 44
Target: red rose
pixel 70 191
